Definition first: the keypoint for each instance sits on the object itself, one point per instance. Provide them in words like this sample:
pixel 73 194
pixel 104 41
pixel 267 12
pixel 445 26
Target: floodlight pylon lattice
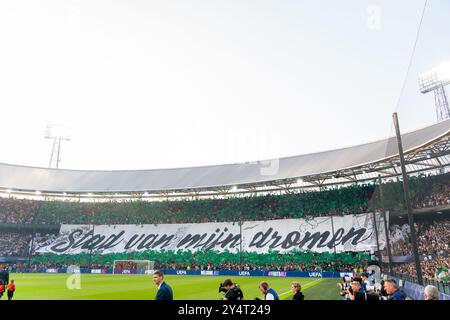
pixel 57 133
pixel 441 103
pixel 435 80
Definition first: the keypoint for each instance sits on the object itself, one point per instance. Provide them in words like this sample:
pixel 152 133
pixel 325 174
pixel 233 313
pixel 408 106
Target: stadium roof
pixel 425 149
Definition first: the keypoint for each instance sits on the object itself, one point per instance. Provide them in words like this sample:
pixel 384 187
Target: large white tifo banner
pixel 322 234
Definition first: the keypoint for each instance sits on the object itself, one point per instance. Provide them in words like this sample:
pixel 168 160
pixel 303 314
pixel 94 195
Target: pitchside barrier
pixel 225 273
pixel 283 274
pixel 415 291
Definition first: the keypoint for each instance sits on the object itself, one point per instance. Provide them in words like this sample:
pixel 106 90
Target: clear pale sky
pixel 156 84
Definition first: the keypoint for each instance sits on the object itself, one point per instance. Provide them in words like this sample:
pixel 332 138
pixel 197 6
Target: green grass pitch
pixel 141 287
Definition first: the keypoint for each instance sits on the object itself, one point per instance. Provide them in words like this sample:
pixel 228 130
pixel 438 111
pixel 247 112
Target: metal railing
pixel 442 287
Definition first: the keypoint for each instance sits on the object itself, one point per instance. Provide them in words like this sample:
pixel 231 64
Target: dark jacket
pixel 164 292
pixel 298 296
pixel 4 276
pixel 234 294
pixel 397 295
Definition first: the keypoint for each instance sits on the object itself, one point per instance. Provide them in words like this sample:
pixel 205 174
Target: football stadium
pixel 360 221
pixel 321 218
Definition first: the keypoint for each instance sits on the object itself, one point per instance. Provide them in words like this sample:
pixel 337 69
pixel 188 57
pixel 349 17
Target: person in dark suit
pixel 4 275
pixel 164 290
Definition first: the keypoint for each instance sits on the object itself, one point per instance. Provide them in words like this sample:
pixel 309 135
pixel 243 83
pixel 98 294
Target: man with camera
pixel 232 291
pixel 355 292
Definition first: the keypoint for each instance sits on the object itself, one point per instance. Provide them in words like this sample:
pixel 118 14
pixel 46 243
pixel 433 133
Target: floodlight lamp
pixel 435 78
pixel 58 131
pixel 445 70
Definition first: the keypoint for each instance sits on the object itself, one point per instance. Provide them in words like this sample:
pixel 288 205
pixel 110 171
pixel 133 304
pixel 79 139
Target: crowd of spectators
pixel 438 196
pixel 310 267
pixel 14 244
pixel 211 260
pixel 433 245
pixel 353 199
pixel 429 268
pixel 320 267
pixel 428 191
pixel 433 240
pixel 18 211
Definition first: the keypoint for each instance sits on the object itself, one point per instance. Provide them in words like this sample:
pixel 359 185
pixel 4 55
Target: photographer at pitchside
pixel 355 289
pixel 232 291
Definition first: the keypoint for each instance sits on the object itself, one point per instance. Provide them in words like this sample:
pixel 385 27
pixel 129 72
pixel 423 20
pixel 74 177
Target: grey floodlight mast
pixel 435 80
pixel 57 133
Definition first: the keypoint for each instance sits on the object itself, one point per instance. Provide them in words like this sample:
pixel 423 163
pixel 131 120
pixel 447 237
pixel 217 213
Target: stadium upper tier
pixel 425 149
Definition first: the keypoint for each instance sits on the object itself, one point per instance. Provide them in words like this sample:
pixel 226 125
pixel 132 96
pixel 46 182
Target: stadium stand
pixel 427 191
pixel 187 260
pixel 334 183
pixel 429 268
pixel 334 202
pixel 434 239
pixel 433 245
pixel 17 211
pixel 14 244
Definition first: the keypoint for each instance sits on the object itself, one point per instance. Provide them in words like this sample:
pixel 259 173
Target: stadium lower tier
pixel 211 260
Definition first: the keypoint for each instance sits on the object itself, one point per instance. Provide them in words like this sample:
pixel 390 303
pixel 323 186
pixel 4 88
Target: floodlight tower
pixel 435 80
pixel 57 133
